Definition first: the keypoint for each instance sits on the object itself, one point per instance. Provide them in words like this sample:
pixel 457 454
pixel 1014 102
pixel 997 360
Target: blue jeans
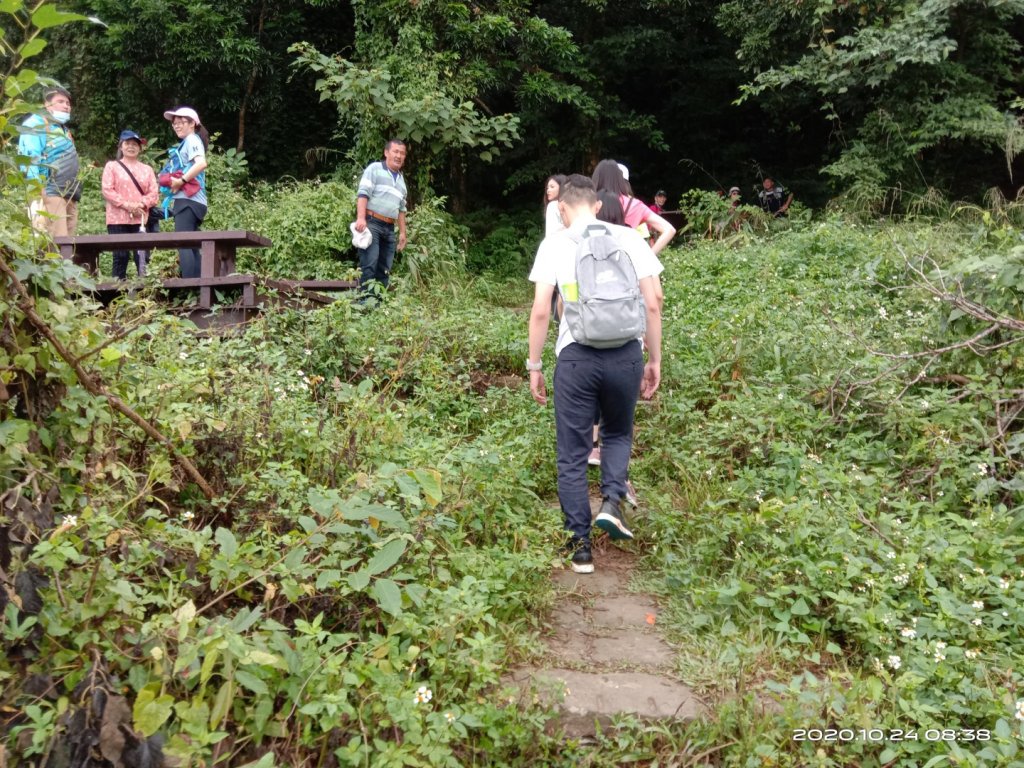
pixel 375 260
pixel 590 383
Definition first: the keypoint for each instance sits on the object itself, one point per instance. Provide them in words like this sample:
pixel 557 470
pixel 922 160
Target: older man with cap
pixel 46 140
pixel 380 205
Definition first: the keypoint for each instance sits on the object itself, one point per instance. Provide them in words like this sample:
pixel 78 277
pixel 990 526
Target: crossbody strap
pixel 132 177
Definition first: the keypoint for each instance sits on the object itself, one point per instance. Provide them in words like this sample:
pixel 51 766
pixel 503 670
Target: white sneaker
pixel 594 459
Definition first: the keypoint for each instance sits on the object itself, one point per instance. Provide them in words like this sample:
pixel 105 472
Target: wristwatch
pixel 538 366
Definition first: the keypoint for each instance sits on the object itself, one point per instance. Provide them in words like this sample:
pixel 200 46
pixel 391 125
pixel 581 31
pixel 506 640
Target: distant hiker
pixel 552 220
pixel 381 199
pixel 734 197
pixel 46 140
pixel 183 178
pixel 660 198
pixel 600 366
pixel 771 198
pixel 130 189
pixel 609 175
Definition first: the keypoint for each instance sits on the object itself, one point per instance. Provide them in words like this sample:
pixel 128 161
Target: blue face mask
pixel 61 117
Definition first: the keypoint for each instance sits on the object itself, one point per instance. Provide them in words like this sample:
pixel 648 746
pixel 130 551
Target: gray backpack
pixel 605 308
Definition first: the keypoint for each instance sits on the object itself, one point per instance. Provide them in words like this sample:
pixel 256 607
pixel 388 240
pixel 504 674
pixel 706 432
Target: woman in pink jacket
pixel 130 189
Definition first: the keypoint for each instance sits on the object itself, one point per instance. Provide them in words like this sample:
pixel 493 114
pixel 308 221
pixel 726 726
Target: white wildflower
pixel 908 633
pixel 895 662
pixel 978 605
pixel 423 695
pixel 69 521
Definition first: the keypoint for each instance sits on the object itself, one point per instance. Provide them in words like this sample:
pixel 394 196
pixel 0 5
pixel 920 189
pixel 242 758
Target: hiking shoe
pixel 630 496
pixel 612 521
pixel 594 459
pixel 582 561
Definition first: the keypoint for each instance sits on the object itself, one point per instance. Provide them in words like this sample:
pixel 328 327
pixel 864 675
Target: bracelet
pixel 538 366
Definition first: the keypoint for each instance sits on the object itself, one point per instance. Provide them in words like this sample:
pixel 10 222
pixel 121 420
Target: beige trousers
pixel 62 220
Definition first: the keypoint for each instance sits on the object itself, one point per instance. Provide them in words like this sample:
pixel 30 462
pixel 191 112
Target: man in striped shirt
pixel 380 204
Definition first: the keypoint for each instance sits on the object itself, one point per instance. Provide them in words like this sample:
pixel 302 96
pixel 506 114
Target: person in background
pixel 660 198
pixel 773 198
pixel 734 198
pixel 47 142
pixel 609 175
pixel 130 189
pixel 382 198
pixel 184 176
pixel 552 219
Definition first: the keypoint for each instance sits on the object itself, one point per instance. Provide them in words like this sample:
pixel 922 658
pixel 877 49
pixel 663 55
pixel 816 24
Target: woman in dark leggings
pixel 186 179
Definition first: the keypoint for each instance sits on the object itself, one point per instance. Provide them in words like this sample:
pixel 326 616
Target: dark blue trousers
pixel 590 383
pixel 376 259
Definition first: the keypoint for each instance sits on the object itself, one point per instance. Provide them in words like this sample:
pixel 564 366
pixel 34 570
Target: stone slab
pixel 619 611
pixel 601 582
pixel 587 698
pixel 629 650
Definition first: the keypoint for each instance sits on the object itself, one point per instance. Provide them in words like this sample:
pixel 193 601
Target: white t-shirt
pixel 552 219
pixel 555 263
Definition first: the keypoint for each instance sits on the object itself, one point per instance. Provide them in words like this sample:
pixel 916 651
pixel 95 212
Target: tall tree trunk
pixel 250 86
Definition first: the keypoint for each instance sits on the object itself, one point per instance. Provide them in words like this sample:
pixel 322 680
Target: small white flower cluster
pixel 978 605
pixel 69 521
pixel 982 469
pixel 1019 714
pixel 939 648
pixel 972 653
pixel 908 633
pixel 901 579
pixel 895 662
pixel 423 695
pixel 1004 583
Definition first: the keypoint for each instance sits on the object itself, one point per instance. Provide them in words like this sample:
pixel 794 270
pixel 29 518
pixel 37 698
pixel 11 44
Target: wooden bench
pixel 217 251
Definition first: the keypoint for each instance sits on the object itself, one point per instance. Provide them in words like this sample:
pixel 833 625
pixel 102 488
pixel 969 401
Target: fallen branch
pixel 92 385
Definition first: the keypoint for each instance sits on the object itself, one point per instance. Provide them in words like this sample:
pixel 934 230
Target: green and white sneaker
pixel 612 520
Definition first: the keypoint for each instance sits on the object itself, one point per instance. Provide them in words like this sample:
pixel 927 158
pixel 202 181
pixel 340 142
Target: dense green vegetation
pixel 323 538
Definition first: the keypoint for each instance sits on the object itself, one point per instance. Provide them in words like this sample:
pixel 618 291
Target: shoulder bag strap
pixel 132 177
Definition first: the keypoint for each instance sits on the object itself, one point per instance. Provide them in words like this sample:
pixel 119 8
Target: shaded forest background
pixel 828 97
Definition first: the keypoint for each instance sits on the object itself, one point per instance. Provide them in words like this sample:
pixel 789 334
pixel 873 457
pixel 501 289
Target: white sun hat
pixel 361 239
pixel 625 171
pixel 188 112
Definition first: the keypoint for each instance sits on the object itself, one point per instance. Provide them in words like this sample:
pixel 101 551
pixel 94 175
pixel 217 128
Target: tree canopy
pixel 829 96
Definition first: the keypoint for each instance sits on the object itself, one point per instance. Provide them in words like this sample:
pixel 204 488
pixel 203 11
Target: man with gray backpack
pixel 604 275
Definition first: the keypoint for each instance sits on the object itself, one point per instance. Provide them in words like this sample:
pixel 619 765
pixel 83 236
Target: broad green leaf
pixel 386 556
pixel 359 580
pixel 48 15
pixel 250 681
pixel 388 596
pixel 150 711
pixel 430 483
pixel 32 48
pixel 799 608
pixel 227 541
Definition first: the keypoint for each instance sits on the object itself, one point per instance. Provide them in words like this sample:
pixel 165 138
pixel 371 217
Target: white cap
pixel 625 171
pixel 361 239
pixel 188 112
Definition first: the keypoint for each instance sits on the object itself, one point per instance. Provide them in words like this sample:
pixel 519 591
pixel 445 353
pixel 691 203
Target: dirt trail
pixel 604 654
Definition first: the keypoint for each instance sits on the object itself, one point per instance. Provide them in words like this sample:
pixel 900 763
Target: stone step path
pixel 604 655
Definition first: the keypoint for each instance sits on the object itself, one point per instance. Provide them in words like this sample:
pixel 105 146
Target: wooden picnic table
pixel 217 250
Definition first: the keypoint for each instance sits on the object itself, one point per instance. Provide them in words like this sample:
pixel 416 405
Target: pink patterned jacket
pixel 119 191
